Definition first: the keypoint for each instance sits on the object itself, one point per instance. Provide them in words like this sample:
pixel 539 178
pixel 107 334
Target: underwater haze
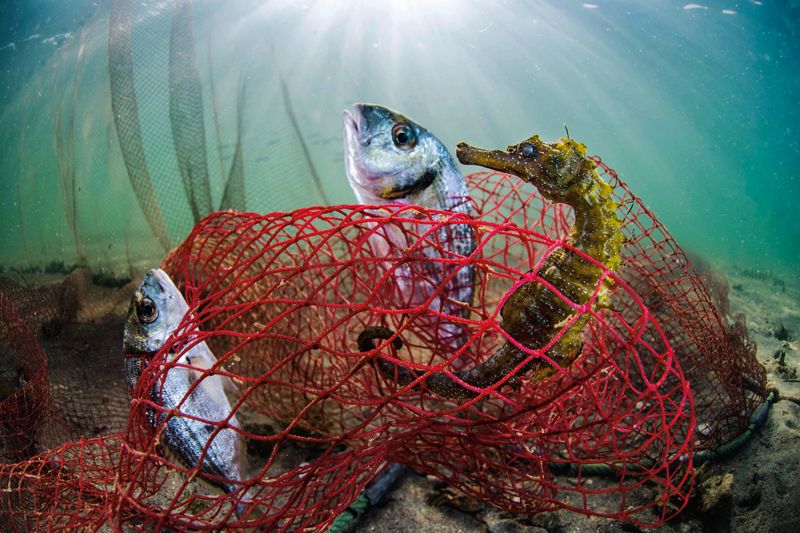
pixel 124 122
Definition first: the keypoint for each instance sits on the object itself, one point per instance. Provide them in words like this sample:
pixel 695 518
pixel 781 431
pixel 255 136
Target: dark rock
pixel 107 279
pixel 509 525
pixel 259 447
pixel 447 496
pixel 786 372
pixel 715 502
pixel 751 498
pixel 548 521
pixel 783 370
pixel 782 334
pixel 502 522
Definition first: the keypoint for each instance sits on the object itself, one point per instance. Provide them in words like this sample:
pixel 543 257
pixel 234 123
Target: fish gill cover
pixel 281 300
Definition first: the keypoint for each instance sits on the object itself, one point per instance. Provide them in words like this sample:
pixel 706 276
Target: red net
pixel 24 387
pixel 281 300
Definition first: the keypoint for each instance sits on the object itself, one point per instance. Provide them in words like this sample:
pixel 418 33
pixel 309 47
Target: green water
pixel 695 107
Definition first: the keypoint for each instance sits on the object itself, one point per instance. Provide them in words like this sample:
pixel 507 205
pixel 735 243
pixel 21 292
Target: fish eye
pixel 146 310
pixel 527 150
pixel 403 136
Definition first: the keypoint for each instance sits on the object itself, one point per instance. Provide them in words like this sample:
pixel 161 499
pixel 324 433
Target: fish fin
pixel 386 238
pixel 214 386
pixel 201 356
pixel 228 385
pixel 207 359
pixel 241 456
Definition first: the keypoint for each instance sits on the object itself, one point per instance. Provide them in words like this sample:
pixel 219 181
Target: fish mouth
pixel 355 125
pixel 349 121
pixel 350 128
pixel 353 153
pixel 161 279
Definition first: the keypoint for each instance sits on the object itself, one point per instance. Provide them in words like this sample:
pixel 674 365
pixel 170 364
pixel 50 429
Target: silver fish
pixel 392 159
pixel 157 310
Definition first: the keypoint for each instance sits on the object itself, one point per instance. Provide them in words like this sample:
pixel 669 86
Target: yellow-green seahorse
pixel 534 315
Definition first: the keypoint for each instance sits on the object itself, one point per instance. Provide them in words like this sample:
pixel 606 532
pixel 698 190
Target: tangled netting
pixel 24 387
pixel 281 300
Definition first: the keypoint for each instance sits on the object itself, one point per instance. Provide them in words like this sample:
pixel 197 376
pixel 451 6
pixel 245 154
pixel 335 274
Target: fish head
pixel 389 157
pixel 156 310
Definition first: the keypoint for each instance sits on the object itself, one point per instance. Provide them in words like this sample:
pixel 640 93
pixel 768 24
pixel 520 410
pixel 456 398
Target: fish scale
pixel 190 437
pixel 460 237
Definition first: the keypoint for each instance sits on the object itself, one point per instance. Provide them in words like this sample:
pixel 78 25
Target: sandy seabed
pixel 754 490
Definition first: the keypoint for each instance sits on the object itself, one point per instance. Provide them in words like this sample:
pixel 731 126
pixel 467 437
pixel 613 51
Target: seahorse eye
pixel 527 150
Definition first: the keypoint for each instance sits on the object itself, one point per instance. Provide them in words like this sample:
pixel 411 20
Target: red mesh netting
pixel 281 299
pixel 24 387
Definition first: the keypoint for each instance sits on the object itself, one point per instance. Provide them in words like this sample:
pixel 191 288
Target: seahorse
pixel 533 315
